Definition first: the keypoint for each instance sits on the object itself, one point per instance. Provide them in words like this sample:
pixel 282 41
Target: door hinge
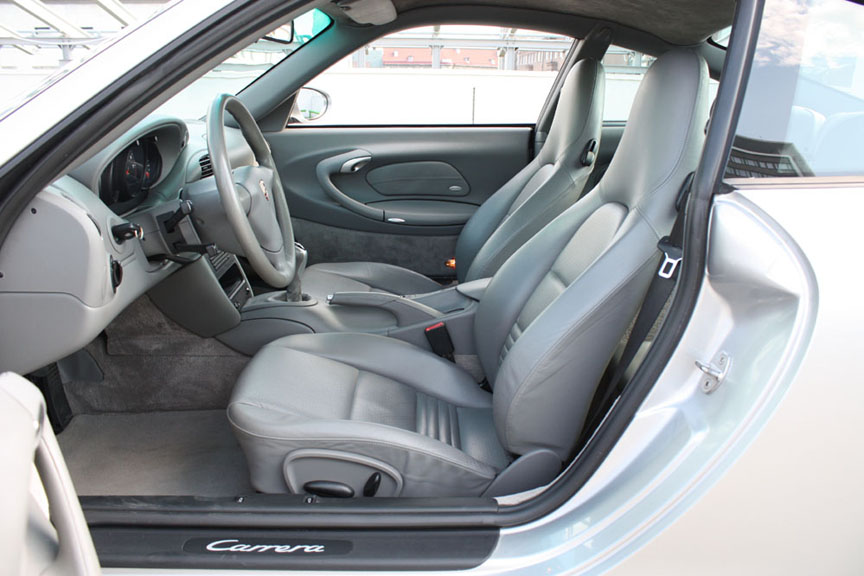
pixel 714 373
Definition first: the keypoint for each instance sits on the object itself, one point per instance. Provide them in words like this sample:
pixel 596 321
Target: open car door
pixel 43 529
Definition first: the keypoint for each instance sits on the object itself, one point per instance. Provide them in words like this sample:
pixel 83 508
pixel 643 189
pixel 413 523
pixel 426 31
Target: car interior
pixel 251 303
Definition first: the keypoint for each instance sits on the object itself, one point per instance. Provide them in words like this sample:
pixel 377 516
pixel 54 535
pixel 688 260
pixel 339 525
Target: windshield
pixel 39 44
pixel 246 66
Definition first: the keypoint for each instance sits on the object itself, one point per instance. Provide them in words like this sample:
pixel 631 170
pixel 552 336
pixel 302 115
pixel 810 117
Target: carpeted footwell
pixel 179 453
pixel 150 363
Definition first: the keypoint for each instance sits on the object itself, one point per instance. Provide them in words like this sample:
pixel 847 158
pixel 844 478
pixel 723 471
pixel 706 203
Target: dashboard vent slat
pixel 206 167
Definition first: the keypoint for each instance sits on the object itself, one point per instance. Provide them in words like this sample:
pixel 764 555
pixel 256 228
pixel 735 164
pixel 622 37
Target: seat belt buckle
pixel 672 256
pixel 439 339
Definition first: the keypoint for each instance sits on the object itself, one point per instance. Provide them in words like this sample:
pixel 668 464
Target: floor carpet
pixel 178 453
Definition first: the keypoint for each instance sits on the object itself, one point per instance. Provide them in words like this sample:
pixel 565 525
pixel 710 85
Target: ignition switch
pixel 126 231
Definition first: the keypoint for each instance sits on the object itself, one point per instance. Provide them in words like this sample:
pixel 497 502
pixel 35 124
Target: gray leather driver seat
pixel 547 186
pixel 376 415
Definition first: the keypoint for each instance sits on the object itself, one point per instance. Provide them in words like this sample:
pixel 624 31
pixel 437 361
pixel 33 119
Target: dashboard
pixel 151 164
pixel 102 236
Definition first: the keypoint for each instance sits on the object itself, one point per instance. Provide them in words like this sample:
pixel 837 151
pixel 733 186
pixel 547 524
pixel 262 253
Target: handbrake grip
pixel 406 311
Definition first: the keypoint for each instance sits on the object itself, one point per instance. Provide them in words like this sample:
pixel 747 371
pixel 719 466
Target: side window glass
pixel 440 75
pixel 803 112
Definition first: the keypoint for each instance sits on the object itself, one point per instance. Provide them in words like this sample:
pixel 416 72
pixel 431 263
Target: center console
pixel 211 296
pixel 267 317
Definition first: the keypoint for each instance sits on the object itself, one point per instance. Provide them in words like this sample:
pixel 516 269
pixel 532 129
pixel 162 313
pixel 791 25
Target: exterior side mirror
pixel 310 104
pixel 282 35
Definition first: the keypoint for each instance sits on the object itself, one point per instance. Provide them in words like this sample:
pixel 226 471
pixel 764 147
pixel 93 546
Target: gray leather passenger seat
pixel 375 415
pixel 542 190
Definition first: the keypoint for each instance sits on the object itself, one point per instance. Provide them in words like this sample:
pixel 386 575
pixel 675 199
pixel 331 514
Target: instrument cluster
pixel 127 179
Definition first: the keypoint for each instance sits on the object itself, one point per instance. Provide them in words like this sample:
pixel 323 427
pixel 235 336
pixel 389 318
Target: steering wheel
pixel 252 196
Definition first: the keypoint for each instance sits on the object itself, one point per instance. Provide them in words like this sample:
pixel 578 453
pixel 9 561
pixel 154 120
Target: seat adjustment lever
pixel 372 485
pixel 328 489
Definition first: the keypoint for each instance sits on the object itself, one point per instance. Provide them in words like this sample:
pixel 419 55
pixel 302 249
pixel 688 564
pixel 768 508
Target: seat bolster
pixel 395 359
pixel 428 467
pixel 323 279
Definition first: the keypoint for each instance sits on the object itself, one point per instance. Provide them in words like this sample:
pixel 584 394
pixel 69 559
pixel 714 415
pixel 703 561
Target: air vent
pixel 206 167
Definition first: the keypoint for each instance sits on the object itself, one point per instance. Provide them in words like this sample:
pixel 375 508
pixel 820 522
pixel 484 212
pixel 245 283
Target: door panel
pixel 484 158
pixel 413 175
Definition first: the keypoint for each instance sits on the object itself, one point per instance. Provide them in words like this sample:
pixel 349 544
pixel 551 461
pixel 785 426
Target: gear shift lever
pixel 294 291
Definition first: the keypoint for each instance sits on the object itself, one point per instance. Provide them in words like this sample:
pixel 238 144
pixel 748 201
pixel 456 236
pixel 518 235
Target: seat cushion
pixel 323 279
pixel 371 396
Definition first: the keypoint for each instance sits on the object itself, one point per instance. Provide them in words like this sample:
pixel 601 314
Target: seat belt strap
pixel 655 298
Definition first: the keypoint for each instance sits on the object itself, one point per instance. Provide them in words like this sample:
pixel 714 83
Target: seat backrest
pixel 547 186
pixel 554 313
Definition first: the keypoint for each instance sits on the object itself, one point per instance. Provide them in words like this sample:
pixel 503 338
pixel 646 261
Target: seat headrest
pixel 668 114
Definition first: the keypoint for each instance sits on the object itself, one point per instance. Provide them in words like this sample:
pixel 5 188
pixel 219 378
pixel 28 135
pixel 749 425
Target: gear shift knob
pixel 294 291
pixel 301 255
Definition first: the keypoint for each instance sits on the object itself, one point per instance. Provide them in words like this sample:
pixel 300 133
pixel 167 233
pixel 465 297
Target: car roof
pixel 680 22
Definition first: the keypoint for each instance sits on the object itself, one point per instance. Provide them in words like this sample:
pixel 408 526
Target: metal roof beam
pixel 117 10
pixel 38 10
pixel 14 39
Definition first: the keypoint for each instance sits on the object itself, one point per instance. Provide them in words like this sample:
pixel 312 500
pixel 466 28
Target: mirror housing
pixel 310 104
pixel 282 35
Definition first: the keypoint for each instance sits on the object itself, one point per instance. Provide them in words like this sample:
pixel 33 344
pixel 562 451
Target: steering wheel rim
pixel 276 268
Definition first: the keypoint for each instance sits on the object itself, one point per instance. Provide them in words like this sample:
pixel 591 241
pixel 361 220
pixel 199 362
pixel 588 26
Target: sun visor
pixel 369 11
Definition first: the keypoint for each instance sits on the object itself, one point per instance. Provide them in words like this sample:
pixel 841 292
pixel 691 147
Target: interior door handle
pixel 355 164
pixel 346 163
